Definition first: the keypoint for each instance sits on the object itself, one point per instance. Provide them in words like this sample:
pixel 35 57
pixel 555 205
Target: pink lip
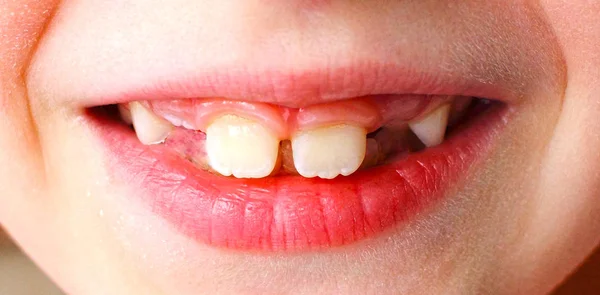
pixel 292 213
pixel 299 88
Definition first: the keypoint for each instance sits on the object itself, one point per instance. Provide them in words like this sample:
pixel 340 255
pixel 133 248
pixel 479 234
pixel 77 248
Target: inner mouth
pixel 255 140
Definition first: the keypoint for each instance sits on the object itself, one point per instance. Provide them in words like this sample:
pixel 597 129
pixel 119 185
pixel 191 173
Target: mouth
pixel 295 175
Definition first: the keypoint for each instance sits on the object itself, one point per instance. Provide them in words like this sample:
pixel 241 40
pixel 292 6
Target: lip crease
pixel 291 213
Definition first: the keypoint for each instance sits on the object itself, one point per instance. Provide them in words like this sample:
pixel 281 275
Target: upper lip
pixel 106 65
pixel 302 88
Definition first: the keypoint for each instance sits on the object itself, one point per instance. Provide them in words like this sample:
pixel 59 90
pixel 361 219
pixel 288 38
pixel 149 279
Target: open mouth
pixel 256 176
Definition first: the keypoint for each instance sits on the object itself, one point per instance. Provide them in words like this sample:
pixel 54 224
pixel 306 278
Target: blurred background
pixel 19 276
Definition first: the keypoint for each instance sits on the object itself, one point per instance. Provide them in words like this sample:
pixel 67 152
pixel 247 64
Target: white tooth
pixel 150 128
pixel 431 129
pixel 125 114
pixel 330 151
pixel 241 147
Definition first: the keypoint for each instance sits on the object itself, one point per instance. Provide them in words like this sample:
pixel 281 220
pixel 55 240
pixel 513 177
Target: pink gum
pixel 369 112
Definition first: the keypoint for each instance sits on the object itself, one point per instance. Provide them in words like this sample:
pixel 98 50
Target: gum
pixel 370 112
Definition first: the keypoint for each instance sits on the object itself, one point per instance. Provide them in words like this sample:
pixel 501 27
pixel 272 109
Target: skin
pixel 520 225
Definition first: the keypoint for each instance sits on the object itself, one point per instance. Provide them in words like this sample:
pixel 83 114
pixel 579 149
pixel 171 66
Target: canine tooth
pixel 150 128
pixel 241 147
pixel 125 114
pixel 431 129
pixel 330 151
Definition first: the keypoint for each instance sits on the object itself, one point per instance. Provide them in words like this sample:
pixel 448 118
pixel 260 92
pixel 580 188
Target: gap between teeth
pixel 244 148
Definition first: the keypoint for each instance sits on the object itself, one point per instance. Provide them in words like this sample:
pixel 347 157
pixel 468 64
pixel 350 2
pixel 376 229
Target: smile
pixel 272 171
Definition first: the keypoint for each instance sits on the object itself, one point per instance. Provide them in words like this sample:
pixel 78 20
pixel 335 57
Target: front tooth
pixel 150 128
pixel 241 147
pixel 431 129
pixel 330 151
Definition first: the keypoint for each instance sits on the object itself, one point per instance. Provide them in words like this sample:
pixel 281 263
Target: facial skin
pixel 523 222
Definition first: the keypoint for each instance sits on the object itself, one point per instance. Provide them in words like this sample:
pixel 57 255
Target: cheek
pixel 21 165
pixel 21 25
pixel 565 222
pixel 577 28
pixel 573 161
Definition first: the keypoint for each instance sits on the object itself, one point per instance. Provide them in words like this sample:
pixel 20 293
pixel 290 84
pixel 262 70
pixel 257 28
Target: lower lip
pixel 291 213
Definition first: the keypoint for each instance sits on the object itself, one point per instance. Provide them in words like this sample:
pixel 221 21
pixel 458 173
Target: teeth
pixel 125 114
pixel 150 128
pixel 329 152
pixel 432 128
pixel 240 147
